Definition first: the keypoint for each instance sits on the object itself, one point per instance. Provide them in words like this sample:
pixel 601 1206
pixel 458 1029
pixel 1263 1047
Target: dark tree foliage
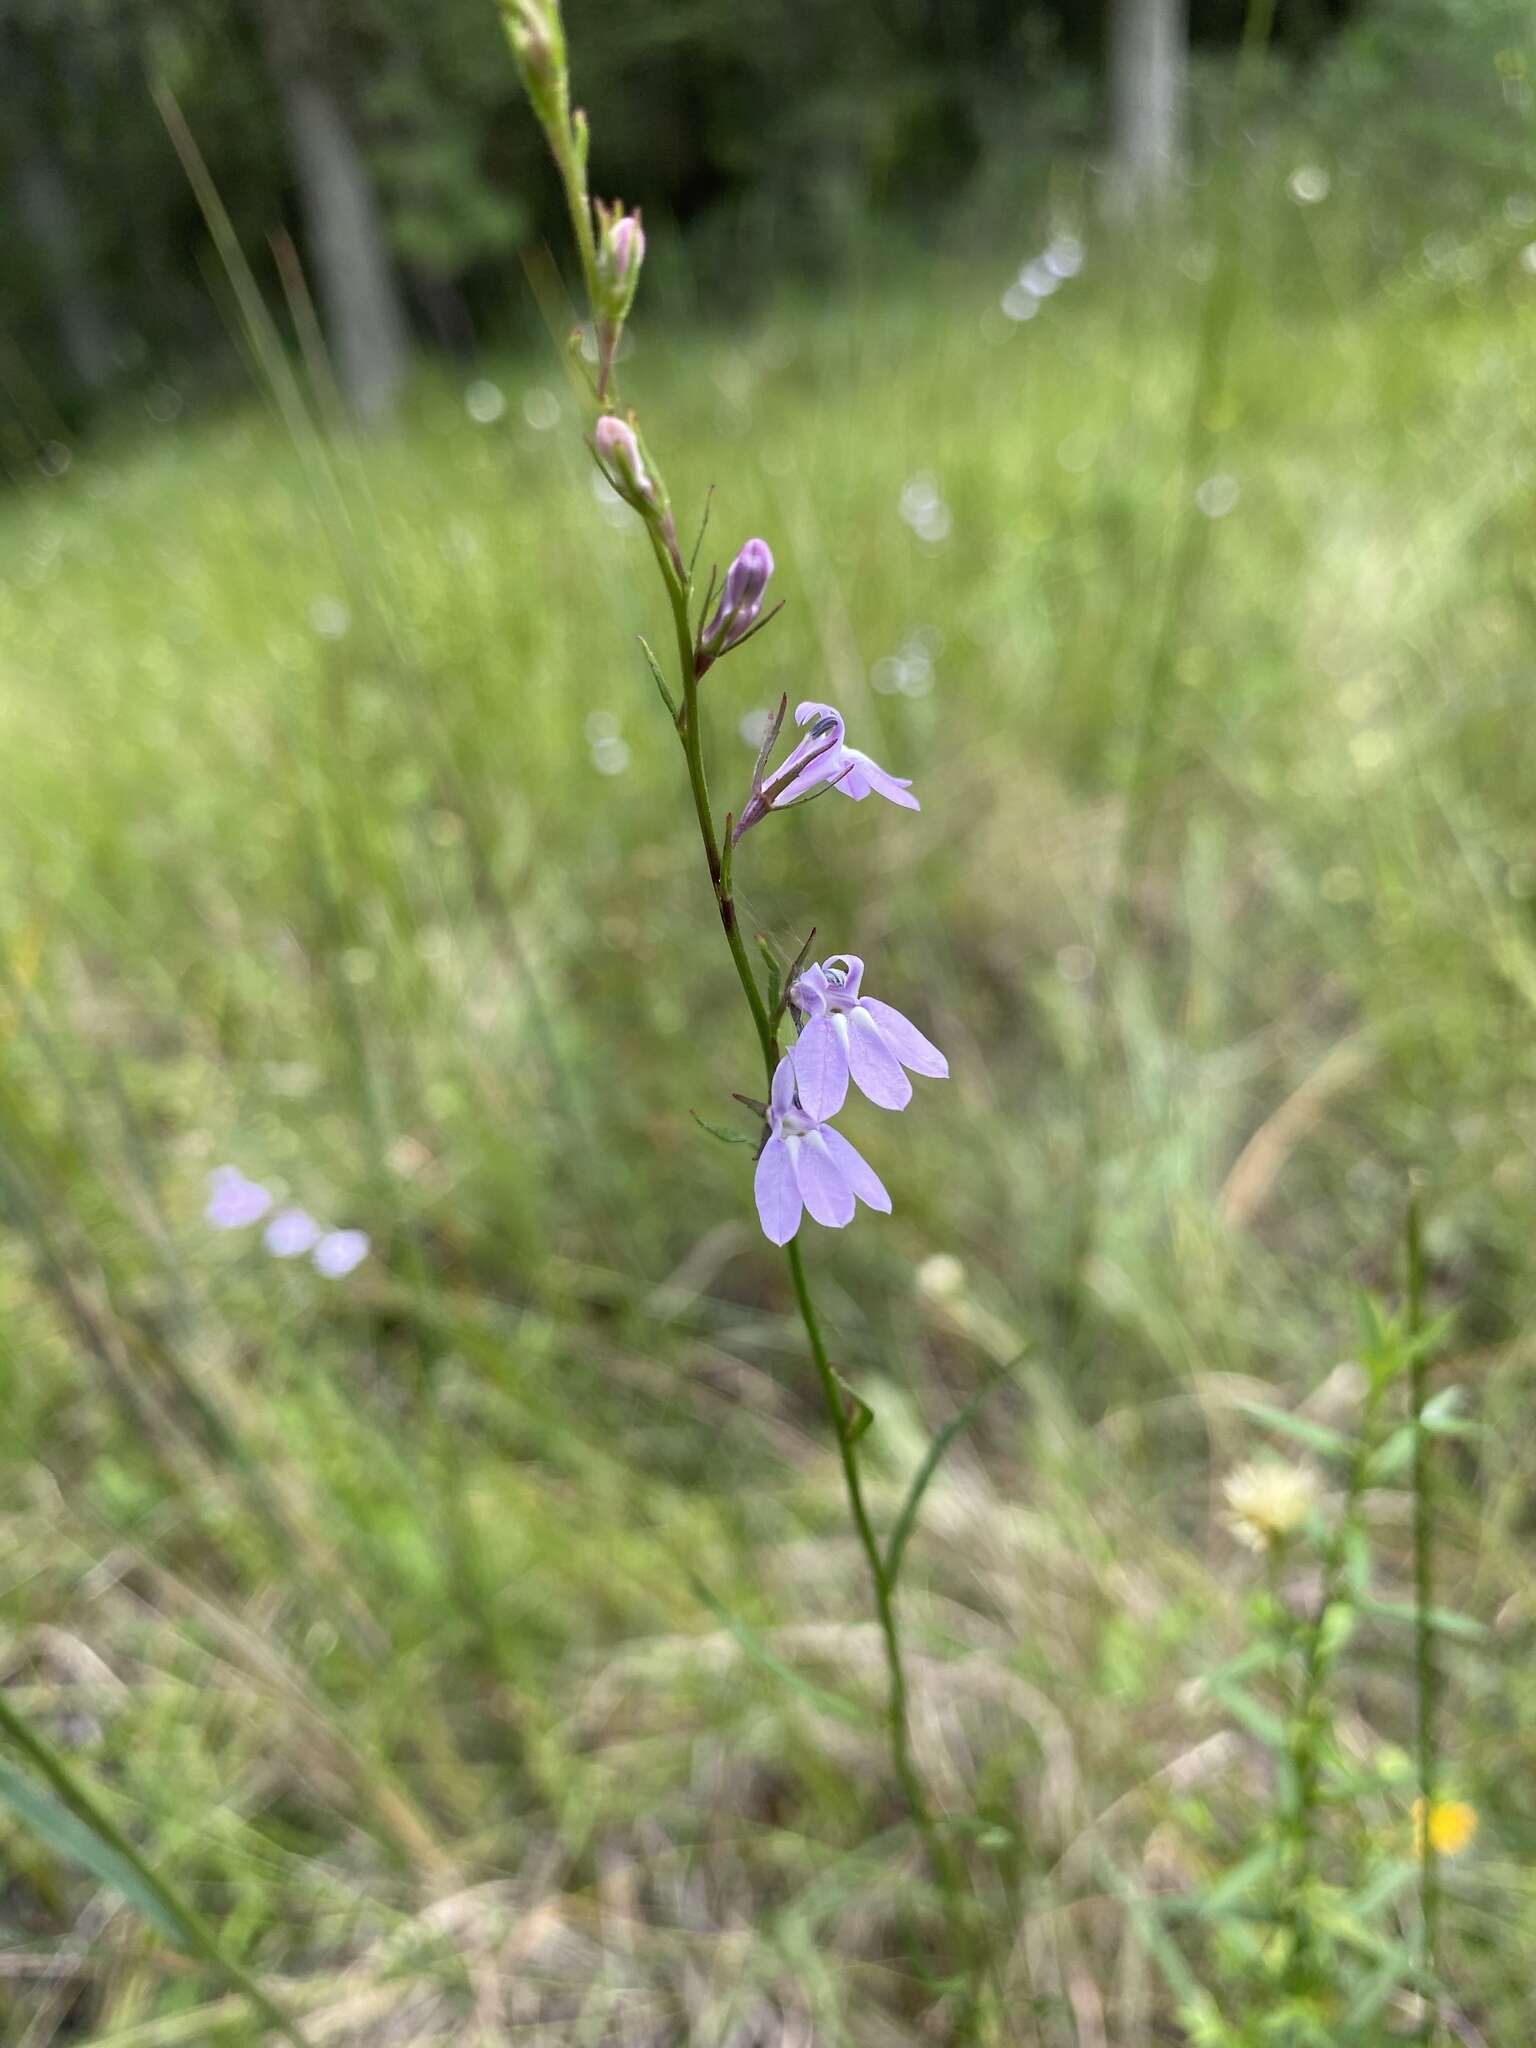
pixel 767 131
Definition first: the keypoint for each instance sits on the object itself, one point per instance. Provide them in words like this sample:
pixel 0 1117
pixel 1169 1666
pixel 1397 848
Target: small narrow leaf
pixel 922 1478
pixel 762 1653
pixel 857 1413
pixel 716 1131
pixel 1249 1714
pixel 70 1838
pixel 659 679
pixel 1316 1436
pixel 1445 1619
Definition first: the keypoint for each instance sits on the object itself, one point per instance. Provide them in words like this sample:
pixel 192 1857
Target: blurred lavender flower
pixel 234 1201
pixel 741 600
pixel 291 1233
pixel 807 1165
pixel 339 1252
pixel 848 1034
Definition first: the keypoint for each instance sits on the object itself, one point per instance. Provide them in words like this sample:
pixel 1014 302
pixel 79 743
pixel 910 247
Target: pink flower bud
pixel 740 601
pixel 627 244
pixel 620 253
pixel 619 452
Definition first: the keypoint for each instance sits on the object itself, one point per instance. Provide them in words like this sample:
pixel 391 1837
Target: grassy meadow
pixel 478 1639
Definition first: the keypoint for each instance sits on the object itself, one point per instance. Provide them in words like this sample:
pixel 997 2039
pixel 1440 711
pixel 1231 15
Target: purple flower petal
pixel 781 1096
pixel 291 1233
pixel 339 1252
pixel 875 1067
pixel 867 778
pixel 778 1196
pixel 853 972
pixel 234 1201
pixel 821 1069
pixel 906 1041
pixel 808 992
pixel 822 1186
pixel 857 1172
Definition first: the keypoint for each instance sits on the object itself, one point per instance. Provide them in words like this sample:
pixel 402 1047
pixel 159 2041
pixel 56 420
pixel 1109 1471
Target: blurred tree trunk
pixel 354 273
pixel 1148 79
pixel 52 222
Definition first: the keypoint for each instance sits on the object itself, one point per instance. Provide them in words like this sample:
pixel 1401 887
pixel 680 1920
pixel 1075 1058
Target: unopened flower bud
pixel 618 450
pixel 620 253
pixel 741 600
pixel 538 44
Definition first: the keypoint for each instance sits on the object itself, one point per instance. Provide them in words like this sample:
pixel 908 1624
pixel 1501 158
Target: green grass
pixel 374 1612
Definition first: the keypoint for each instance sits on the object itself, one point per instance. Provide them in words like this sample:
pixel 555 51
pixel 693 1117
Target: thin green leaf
pixel 1261 1656
pixel 761 1653
pixel 658 678
pixel 78 1844
pixel 1442 1415
pixel 922 1478
pixel 857 1412
pixel 1316 1436
pixel 1247 1712
pixel 717 1131
pixel 1237 1883
pixel 1392 1457
pixel 709 499
pixel 1443 1619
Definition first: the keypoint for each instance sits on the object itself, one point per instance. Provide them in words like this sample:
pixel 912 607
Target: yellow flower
pixel 1269 1501
pixel 1452 1824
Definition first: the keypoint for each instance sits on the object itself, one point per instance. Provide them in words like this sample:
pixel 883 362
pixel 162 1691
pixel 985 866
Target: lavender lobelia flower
pixel 847 1033
pixel 825 756
pixel 234 1201
pixel 822 758
pixel 291 1233
pixel 807 1165
pixel 339 1252
pixel 741 600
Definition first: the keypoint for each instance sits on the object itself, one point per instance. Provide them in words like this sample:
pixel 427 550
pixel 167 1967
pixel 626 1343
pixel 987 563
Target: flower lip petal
pixel 869 778
pixel 875 1068
pixel 823 1187
pixel 903 1038
pixel 776 1192
pixel 821 1069
pixel 857 1171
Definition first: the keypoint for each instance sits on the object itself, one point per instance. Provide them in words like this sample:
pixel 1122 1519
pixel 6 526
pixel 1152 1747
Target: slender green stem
pixel 1309 1721
pixel 885 1603
pixel 1423 1601
pixel 567 140
pixel 197 1936
pixel 691 734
